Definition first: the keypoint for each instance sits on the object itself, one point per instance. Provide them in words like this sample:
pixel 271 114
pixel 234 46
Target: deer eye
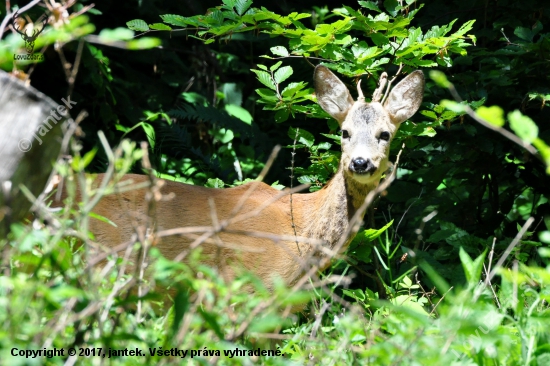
pixel 345 134
pixel 385 135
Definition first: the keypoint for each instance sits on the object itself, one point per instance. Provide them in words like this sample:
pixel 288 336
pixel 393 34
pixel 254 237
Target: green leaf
pixel 224 135
pixel 439 78
pixel 178 20
pixel 118 34
pixel 211 318
pixel 544 151
pixel 281 115
pixel 160 26
pixel 282 74
pixel 150 132
pixel 293 88
pixel 279 51
pixel 304 137
pixel 181 305
pixel 276 66
pixel 472 269
pixel 264 78
pixel 392 6
pixel 379 39
pixel 524 33
pixel 268 95
pixel 523 126
pixel 214 183
pixel 493 114
pixel 137 25
pixel 466 27
pixel 453 106
pixel 241 6
pixel 239 112
pixel 371 5
pixel 79 163
pixel 437 280
pixel 143 43
pixel 265 324
pixel 372 234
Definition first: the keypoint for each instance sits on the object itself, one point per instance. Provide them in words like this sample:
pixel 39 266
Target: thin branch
pixel 504 132
pixel 504 256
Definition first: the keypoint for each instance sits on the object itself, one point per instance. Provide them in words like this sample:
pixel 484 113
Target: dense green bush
pixel 456 269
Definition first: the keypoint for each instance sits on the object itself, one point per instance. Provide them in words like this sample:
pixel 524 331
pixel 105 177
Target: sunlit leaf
pixel 493 114
pixel 523 126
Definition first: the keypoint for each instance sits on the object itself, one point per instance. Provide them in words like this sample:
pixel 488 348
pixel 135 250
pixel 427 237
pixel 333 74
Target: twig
pixel 503 258
pixel 504 132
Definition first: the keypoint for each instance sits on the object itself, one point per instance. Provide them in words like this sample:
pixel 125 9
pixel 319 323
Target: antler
pixel 381 85
pixel 361 97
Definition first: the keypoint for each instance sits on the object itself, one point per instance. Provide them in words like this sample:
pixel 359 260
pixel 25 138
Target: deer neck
pixel 328 216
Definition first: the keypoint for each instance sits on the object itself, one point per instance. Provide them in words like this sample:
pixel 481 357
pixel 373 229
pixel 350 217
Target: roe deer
pixel 367 130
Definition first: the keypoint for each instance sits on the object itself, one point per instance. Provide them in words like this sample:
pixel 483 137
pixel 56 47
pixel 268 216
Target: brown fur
pixel 324 214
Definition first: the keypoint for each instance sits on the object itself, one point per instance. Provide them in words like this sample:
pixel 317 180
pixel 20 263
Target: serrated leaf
pixel 493 114
pixel 523 126
pixel 267 94
pixel 281 115
pixel 371 5
pixel 177 20
pixel 292 88
pixel 137 25
pixel 302 137
pixel 466 27
pixel 282 74
pixel 324 146
pixel 524 33
pixel 241 6
pixel 264 78
pixel 392 6
pixel 160 26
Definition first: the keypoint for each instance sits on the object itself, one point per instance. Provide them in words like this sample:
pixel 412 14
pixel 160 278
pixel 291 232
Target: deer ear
pixel 405 98
pixel 333 96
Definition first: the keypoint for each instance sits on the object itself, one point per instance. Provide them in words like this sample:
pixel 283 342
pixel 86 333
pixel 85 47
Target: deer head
pixel 367 128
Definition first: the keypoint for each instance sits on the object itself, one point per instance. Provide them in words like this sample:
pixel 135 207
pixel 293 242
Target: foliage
pixel 226 86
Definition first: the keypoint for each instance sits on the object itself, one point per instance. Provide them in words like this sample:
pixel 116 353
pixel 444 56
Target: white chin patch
pixel 363 178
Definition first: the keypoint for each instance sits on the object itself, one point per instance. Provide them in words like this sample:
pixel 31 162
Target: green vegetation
pixel 455 270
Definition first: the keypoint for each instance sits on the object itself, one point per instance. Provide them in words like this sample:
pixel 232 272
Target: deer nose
pixel 362 166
